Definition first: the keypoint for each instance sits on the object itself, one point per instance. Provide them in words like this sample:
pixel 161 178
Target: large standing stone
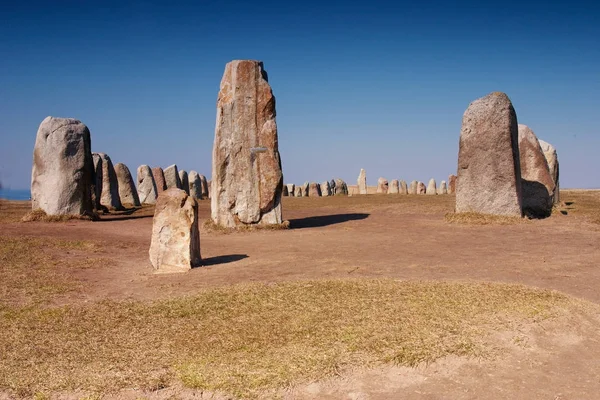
pixel 314 190
pixel 146 187
pixel 205 187
pixel 537 184
pixel 175 245
pixel 489 174
pixel 443 189
pixel 159 180
pixel 403 187
pixel 185 181
pixel 172 177
pixel 362 182
pixel 291 189
pixel 394 187
pixel 127 191
pixel 341 188
pixel 298 191
pixel 552 159
pixel 421 189
pixel 305 188
pixel 195 184
pixel 325 189
pixel 413 187
pixel 63 171
pixel 382 185
pixel 431 187
pixel 107 186
pixel 246 183
pixel 452 184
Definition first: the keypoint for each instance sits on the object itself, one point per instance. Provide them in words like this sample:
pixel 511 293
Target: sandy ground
pixel 354 237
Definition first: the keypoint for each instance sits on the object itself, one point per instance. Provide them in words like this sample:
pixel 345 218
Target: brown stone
pixel 159 180
pixel 452 184
pixel 314 190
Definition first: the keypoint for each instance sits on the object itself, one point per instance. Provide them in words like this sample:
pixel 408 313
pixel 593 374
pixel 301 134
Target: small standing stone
pixel 184 179
pixel 452 184
pixel 382 185
pixel 107 186
pixel 305 189
pixel 341 188
pixel 195 185
pixel 298 191
pixel 172 177
pixel 146 187
pixel 443 189
pixel 291 189
pixel 127 191
pixel 325 189
pixel 421 189
pixel 394 187
pixel 431 187
pixel 413 187
pixel 285 192
pixel 403 187
pixel 314 190
pixel 362 182
pixel 159 180
pixel 205 187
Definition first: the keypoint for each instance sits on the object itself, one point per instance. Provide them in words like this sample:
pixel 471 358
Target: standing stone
pixel 127 191
pixel 325 189
pixel 443 189
pixel 537 184
pixel 284 191
pixel 205 187
pixel 291 189
pixel 107 186
pixel 403 187
pixel 451 184
pixel 185 182
pixel 298 191
pixel 63 171
pixel 209 188
pixel 246 185
pixel 431 187
pixel 394 187
pixel 362 182
pixel 552 159
pixel 413 187
pixel 146 187
pixel 421 189
pixel 489 174
pixel 382 185
pixel 172 177
pixel 195 184
pixel 305 188
pixel 341 188
pixel 159 180
pixel 175 245
pixel 314 190
pixel 332 186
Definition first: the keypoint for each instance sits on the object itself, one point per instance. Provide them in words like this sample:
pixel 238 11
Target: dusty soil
pixel 403 237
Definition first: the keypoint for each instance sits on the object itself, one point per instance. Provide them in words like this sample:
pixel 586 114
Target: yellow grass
pixel 472 218
pixel 210 226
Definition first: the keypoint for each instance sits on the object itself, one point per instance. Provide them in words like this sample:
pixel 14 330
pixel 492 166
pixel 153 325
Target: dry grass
pixel 581 202
pixel 473 218
pixel 248 339
pixel 40 215
pixel 210 226
pixel 13 211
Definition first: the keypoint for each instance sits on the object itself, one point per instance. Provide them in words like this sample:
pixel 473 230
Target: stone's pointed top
pixel 546 147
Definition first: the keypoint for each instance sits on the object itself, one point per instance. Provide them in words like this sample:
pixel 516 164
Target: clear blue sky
pixel 375 85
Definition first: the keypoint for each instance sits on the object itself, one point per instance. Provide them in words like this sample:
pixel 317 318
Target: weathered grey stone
pixel 291 189
pixel 127 191
pixel 382 185
pixel 195 184
pixel 452 184
pixel 159 180
pixel 175 245
pixel 325 189
pixel 62 174
pixel 413 187
pixel 537 184
pixel 489 174
pixel 305 188
pixel 362 182
pixel 443 189
pixel 341 188
pixel 185 181
pixel 552 159
pixel 394 187
pixel 298 191
pixel 172 177
pixel 314 190
pixel 431 187
pixel 403 187
pixel 107 186
pixel 246 184
pixel 146 187
pixel 421 188
pixel 205 187
pixel 284 191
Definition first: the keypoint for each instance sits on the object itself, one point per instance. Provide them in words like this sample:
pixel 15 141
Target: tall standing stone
pixel 537 184
pixel 413 187
pixel 362 182
pixel 62 173
pixel 403 187
pixel 159 180
pixel 146 187
pixel 489 174
pixel 291 189
pixel 443 189
pixel 247 180
pixel 325 189
pixel 172 177
pixel 431 187
pixel 394 187
pixel 127 191
pixel 314 190
pixel 185 181
pixel 552 159
pixel 175 244
pixel 205 187
pixel 382 185
pixel 195 184
pixel 452 184
pixel 421 189
pixel 107 186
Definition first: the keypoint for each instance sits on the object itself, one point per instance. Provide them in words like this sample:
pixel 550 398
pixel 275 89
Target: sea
pixel 15 194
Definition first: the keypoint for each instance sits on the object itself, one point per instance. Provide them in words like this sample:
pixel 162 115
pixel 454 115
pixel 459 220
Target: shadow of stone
pixel 325 220
pixel 537 201
pixel 206 262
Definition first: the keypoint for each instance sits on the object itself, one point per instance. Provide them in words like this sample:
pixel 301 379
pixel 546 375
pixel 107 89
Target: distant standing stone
pixel 314 190
pixel 172 177
pixel 332 186
pixel 413 187
pixel 403 187
pixel 62 175
pixel 185 182
pixel 431 187
pixel 146 187
pixel 362 182
pixel 325 189
pixel 195 185
pixel 537 184
pixel 421 189
pixel 305 188
pixel 341 188
pixel 298 191
pixel 159 180
pixel 285 192
pixel 205 187
pixel 488 158
pixel 394 187
pixel 452 184
pixel 382 185
pixel 552 159
pixel 127 191
pixel 291 189
pixel 443 189
pixel 107 186
pixel 175 245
